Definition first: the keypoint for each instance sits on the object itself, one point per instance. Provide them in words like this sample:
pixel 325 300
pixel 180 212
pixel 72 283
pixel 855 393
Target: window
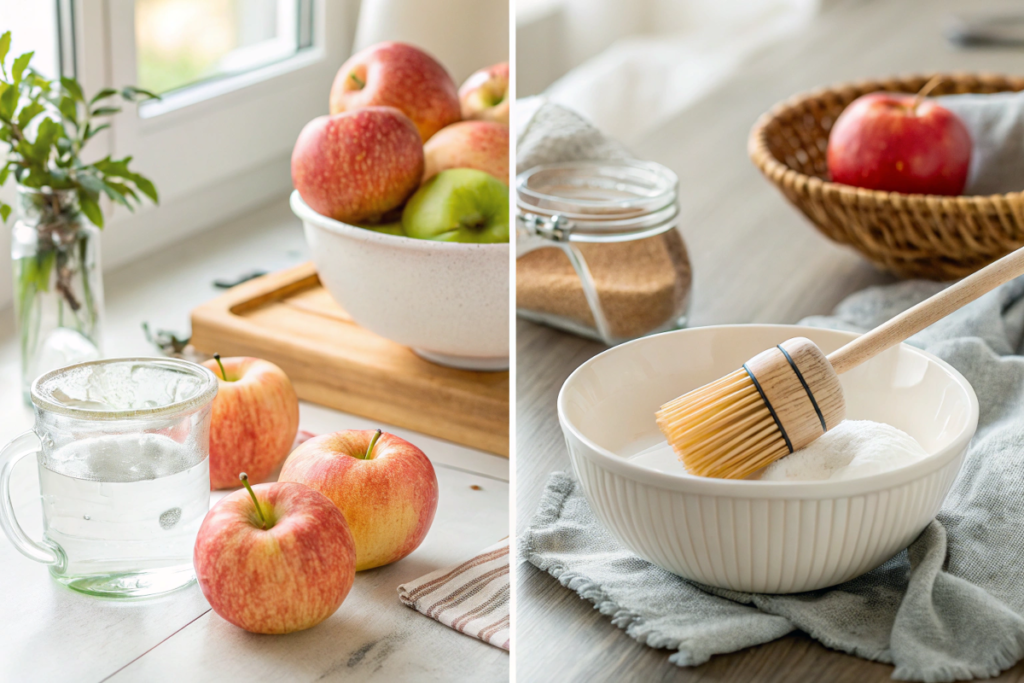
pixel 238 80
pixel 33 27
pixel 218 143
pixel 183 43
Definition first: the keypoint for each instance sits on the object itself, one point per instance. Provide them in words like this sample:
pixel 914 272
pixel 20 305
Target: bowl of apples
pixel 882 166
pixel 403 195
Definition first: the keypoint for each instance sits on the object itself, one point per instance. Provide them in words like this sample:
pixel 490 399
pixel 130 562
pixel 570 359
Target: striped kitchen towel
pixel 472 597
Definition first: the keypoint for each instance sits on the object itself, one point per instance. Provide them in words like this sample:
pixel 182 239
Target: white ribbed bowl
pixel 760 536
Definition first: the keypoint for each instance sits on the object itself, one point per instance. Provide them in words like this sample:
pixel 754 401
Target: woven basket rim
pixel 777 171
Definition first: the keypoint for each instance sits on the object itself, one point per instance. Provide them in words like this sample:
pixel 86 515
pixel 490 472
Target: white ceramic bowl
pixel 760 536
pixel 449 302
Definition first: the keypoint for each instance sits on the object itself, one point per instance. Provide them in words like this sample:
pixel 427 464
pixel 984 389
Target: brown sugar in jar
pixel 598 250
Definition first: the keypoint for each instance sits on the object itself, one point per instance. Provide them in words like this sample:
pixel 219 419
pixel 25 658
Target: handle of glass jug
pixel 25 444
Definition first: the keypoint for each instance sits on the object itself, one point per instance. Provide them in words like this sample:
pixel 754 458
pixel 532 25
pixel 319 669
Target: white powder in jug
pixel 854 448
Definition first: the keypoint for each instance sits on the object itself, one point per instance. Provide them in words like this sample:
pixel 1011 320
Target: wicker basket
pixel 912 235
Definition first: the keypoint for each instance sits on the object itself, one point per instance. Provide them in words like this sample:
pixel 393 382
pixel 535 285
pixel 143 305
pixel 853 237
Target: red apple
pixel 384 485
pixel 254 421
pixel 899 143
pixel 356 167
pixel 484 95
pixel 482 145
pixel 283 566
pixel 401 76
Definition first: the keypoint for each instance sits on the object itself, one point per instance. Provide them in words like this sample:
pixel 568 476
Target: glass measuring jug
pixel 122 449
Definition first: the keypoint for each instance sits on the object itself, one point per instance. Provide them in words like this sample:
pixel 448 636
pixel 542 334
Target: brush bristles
pixel 723 429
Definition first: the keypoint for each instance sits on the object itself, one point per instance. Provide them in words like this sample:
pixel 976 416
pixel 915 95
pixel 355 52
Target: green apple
pixel 459 205
pixel 394 228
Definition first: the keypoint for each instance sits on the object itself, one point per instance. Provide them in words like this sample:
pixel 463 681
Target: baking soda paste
pixel 854 448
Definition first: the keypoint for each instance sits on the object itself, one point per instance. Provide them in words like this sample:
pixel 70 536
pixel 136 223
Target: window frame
pixel 199 149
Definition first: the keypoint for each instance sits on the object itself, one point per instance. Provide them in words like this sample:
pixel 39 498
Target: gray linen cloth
pixel 950 607
pixel 996 124
pixel 549 133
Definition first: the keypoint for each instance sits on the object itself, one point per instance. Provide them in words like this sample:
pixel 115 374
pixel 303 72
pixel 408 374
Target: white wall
pixel 464 35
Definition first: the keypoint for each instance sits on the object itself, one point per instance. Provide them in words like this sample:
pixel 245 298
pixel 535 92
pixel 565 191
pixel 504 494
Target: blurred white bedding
pixel 670 53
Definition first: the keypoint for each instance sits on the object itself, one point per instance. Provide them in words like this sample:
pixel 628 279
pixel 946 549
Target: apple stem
pixel 359 81
pixel 216 357
pixel 373 442
pixel 245 481
pixel 923 92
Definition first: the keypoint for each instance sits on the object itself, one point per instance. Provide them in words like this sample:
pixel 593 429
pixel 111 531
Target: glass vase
pixel 58 286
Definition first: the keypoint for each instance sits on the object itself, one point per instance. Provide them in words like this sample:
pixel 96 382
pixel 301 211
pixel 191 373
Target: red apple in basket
pixel 899 143
pixel 385 487
pixel 356 167
pixel 275 558
pixel 401 76
pixel 482 145
pixel 254 421
pixel 484 95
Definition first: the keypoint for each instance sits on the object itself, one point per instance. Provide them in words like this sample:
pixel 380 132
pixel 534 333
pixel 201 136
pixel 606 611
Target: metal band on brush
pixel 806 388
pixel 778 423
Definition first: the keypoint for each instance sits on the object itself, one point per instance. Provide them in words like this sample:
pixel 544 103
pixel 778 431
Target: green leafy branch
pixel 45 125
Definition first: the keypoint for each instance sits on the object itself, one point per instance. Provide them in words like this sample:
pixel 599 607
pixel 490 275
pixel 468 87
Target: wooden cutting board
pixel 289 319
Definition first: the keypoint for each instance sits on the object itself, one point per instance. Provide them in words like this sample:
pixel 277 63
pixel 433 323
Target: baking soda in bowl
pixel 659 457
pixel 854 448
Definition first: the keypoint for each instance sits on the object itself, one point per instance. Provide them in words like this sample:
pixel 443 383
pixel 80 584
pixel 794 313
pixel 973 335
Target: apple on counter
pixel 482 145
pixel 459 205
pixel 255 417
pixel 384 486
pixel 484 95
pixel 900 143
pixel 401 76
pixel 356 167
pixel 275 558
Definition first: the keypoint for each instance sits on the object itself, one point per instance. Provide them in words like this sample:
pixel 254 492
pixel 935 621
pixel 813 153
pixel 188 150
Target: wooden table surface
pixel 49 633
pixel 755 260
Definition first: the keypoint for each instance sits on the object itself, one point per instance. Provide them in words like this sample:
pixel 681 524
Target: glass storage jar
pixel 598 252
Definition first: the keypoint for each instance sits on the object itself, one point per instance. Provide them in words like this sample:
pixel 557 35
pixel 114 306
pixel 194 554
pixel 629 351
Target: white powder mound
pixel 854 448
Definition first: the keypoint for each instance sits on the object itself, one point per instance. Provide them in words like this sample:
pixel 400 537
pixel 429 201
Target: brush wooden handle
pixel 929 311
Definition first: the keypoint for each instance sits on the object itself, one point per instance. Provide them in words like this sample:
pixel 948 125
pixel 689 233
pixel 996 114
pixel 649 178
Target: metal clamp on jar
pixel 597 249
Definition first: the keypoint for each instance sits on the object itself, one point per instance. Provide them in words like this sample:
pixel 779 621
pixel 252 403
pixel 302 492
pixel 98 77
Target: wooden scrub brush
pixel 786 397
